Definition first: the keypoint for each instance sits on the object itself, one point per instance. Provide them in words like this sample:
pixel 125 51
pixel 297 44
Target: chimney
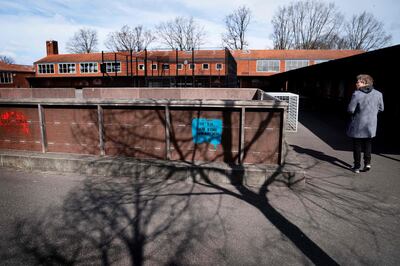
pixel 51 47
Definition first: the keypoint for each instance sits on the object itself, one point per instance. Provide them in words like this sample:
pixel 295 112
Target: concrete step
pixel 287 174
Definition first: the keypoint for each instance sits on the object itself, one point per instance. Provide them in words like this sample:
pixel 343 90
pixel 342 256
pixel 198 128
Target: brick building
pixel 169 68
pixel 15 76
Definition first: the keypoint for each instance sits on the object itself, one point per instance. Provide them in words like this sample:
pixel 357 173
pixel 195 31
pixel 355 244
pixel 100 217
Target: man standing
pixel 364 106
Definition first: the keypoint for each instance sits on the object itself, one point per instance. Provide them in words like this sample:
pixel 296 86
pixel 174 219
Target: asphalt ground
pixel 338 217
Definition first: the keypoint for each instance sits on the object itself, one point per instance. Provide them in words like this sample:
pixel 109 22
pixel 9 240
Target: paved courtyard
pixel 338 218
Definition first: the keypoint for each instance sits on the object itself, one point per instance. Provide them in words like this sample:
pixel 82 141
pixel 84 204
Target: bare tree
pixel 364 32
pixel 282 35
pixel 306 25
pixel 236 27
pixel 129 39
pixel 181 33
pixel 83 41
pixel 7 59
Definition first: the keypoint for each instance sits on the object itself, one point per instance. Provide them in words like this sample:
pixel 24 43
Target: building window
pixel 6 78
pixel 113 66
pixel 153 67
pixel 267 65
pixel 165 66
pixel 141 66
pixel 179 66
pixel 293 64
pixel 218 66
pixel 318 61
pixel 46 68
pixel 66 68
pixel 192 66
pixel 89 68
pixel 205 66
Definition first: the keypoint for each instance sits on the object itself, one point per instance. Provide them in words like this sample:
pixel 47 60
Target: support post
pixel 242 123
pixel 101 129
pixel 193 66
pixel 167 133
pixel 42 128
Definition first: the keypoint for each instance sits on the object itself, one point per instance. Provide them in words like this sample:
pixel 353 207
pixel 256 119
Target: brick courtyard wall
pixel 251 129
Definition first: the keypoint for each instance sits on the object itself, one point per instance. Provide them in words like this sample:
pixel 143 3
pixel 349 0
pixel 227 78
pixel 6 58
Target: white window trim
pixel 208 66
pixel 286 61
pixel 181 66
pixel 67 73
pixel 141 67
pixel 165 65
pixel 113 62
pixel 264 71
pixel 6 76
pixel 216 68
pixel 41 64
pixel 80 68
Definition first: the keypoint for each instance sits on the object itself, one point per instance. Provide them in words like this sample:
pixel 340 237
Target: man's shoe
pixel 367 167
pixel 356 170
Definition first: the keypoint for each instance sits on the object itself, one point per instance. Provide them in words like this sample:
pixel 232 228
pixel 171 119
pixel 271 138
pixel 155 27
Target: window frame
pixel 40 66
pixel 59 68
pixel 89 72
pixel 268 64
pixel 296 60
pixel 179 66
pixel 111 64
pixel 205 64
pixel 216 66
pixel 6 78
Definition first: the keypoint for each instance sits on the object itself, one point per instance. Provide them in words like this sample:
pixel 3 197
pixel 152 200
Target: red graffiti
pixel 13 119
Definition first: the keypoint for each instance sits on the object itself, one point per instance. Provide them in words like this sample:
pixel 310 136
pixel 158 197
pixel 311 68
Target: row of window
pixel 89 67
pixel 266 65
pixel 204 66
pixel 6 78
pixel 70 68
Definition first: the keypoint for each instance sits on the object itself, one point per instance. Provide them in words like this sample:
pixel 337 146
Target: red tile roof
pixel 16 68
pixel 121 56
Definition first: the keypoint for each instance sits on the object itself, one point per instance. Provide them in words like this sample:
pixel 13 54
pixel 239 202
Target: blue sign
pixel 207 130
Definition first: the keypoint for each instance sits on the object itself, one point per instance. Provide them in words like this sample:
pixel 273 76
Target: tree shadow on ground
pixel 106 220
pixel 321 156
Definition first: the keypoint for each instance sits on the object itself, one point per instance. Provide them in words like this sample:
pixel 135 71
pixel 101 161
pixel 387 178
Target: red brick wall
pixel 72 129
pixel 135 132
pixel 20 128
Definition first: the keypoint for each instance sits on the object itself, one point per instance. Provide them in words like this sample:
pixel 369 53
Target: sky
pixel 27 24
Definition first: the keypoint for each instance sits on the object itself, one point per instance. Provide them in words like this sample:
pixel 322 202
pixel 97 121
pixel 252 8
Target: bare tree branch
pixel 306 25
pixel 129 39
pixel 7 59
pixel 181 33
pixel 364 32
pixel 83 41
pixel 282 36
pixel 236 27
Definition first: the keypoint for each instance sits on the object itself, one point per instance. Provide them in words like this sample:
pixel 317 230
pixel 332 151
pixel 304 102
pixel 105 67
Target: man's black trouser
pixel 359 145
